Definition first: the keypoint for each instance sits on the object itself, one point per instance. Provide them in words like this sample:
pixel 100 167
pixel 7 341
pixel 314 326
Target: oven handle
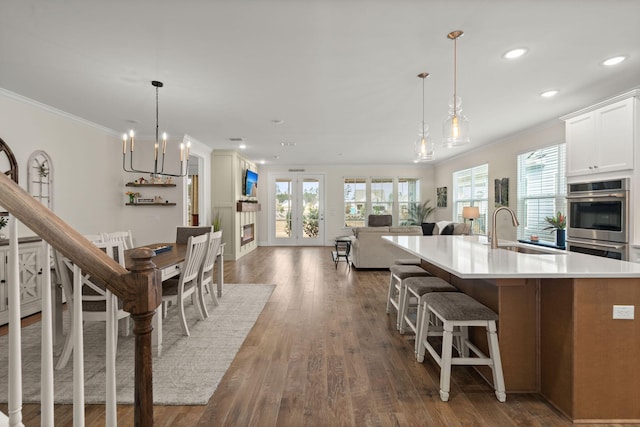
pixel 599 196
pixel 595 245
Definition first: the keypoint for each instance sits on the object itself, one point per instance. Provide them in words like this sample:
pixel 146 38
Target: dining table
pixel 169 258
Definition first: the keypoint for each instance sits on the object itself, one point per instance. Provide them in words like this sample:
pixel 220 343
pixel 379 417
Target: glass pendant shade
pixel 424 148
pixel 455 129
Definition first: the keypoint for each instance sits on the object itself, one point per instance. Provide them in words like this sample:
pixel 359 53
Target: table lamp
pixel 470 213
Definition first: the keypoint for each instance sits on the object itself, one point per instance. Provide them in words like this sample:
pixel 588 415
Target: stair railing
pixel 140 289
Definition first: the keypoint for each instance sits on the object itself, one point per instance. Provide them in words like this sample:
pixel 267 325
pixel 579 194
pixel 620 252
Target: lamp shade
pixel 470 212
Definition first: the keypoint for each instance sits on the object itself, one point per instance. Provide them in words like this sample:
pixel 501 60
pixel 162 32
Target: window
pixel 471 188
pixel 355 202
pixel 399 197
pixel 542 190
pixel 408 201
pixel 382 196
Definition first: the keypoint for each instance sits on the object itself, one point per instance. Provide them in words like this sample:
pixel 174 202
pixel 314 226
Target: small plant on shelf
pixel 4 221
pixel 556 222
pixel 132 196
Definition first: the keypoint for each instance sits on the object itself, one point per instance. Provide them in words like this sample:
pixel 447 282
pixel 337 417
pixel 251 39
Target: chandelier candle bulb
pixel 164 143
pixel 131 136
pixel 181 152
pixel 124 143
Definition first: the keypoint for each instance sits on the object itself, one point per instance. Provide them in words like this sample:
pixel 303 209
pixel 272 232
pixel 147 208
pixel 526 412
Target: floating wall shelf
pixel 247 207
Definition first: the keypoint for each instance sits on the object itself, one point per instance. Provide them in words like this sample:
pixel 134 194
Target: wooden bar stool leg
pixel 391 293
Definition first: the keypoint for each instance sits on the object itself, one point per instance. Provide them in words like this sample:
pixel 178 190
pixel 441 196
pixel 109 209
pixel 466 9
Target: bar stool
pixel 398 274
pixel 415 288
pixel 456 309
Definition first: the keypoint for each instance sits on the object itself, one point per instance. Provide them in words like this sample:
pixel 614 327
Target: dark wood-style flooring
pixel 324 353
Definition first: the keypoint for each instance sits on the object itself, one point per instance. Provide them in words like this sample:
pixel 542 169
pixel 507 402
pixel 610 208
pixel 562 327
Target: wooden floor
pixel 324 353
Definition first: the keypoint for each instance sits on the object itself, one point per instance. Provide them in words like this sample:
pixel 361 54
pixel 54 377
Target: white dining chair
pixel 205 276
pixel 119 236
pixel 177 290
pixel 94 297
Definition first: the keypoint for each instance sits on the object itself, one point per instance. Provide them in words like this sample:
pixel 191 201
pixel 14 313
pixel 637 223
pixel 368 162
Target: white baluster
pixel 111 331
pixel 46 376
pixel 78 350
pixel 15 339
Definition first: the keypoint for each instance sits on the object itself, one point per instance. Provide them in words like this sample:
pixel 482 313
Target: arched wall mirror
pixel 8 163
pixel 40 177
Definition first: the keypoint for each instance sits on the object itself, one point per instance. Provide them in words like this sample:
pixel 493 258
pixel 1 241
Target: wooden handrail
pixel 140 289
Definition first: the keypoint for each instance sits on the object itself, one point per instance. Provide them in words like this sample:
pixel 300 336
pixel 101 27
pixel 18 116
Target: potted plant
pixel 418 213
pixel 132 196
pixel 558 223
pixel 217 221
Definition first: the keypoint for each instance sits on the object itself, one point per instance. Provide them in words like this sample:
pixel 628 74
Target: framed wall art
pixel 441 200
pixel 501 192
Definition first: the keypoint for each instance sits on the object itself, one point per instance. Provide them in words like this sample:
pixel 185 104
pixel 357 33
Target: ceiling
pixel 341 75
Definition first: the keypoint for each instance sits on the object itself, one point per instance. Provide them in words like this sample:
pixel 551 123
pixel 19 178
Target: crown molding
pixel 49 109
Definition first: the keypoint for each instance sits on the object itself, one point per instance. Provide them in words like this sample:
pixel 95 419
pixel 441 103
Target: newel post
pixel 146 285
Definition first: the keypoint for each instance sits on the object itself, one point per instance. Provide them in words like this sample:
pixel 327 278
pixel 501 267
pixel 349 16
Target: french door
pixel 296 209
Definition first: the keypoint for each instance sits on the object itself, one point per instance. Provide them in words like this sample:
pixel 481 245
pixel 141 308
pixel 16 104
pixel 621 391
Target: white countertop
pixel 470 257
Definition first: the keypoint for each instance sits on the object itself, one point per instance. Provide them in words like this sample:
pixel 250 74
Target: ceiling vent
pixel 296 170
pixel 236 140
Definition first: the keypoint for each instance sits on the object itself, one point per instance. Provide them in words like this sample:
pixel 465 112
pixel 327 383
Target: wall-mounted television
pixel 250 183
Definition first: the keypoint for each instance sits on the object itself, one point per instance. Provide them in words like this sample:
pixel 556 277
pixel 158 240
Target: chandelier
pixel 424 149
pixel 184 155
pixel 455 129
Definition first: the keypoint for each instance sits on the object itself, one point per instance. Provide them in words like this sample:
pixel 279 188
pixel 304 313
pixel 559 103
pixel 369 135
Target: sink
pixel 530 251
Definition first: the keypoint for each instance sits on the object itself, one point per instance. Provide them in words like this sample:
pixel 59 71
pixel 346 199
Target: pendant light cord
pixel 157 88
pixel 455 76
pixel 423 108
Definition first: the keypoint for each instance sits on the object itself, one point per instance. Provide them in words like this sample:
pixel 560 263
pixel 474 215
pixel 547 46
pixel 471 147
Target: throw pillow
pixel 427 228
pixel 448 230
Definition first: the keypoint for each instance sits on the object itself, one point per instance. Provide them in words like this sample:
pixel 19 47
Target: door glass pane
pixel 310 208
pixel 283 208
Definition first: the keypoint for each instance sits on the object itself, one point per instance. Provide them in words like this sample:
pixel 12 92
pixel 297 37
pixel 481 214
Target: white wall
pixel 88 179
pixel 334 190
pixel 501 157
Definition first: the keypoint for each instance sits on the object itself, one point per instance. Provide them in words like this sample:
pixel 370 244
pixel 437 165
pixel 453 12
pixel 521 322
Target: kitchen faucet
pixel 494 231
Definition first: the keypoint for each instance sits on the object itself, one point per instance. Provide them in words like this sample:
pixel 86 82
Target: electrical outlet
pixel 623 312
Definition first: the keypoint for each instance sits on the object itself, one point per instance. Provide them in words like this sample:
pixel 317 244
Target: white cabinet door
pixel 601 140
pixel 581 135
pixel 30 270
pixel 614 145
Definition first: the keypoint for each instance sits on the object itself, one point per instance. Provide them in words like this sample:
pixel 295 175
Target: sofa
pixel 369 250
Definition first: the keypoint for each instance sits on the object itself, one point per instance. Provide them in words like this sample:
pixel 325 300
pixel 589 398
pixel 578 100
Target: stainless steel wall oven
pixel 598 218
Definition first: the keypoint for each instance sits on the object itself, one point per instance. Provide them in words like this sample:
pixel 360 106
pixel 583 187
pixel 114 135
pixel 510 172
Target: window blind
pixel 542 190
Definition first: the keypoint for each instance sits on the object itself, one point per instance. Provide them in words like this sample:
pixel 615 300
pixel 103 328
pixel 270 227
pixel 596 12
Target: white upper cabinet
pixel 601 140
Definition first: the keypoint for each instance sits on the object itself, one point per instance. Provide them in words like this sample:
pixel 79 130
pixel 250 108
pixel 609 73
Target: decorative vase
pixel 2 236
pixel 560 238
pixel 131 199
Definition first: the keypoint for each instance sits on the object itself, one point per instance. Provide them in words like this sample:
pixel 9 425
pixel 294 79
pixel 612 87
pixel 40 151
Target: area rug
pixel 187 372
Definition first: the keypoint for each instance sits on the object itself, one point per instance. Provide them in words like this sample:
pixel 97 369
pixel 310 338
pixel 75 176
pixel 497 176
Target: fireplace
pixel 247 235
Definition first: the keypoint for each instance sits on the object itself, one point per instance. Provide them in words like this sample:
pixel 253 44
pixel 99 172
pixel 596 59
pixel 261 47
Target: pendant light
pixel 424 149
pixel 455 129
pixel 155 173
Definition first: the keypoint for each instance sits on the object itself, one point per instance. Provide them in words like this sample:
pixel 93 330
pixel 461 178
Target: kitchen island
pixel 556 328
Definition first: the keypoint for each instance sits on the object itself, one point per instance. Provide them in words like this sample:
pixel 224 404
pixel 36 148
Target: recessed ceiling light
pixel 277 121
pixel 262 162
pixel 549 93
pixel 614 61
pixel 242 146
pixel 515 53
